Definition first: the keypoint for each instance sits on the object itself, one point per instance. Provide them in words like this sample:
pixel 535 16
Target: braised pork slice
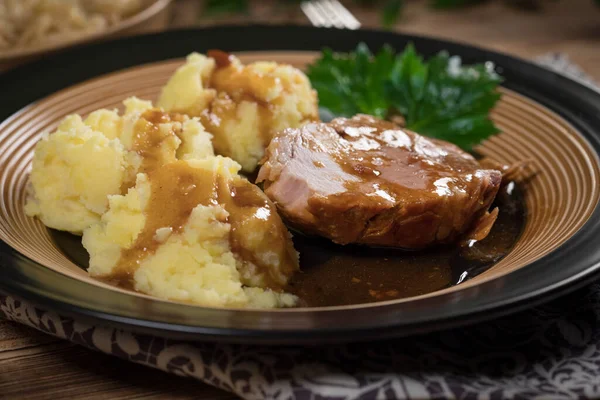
pixel 364 180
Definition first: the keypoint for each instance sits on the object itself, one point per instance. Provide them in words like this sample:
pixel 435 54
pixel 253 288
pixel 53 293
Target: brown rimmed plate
pixel 546 118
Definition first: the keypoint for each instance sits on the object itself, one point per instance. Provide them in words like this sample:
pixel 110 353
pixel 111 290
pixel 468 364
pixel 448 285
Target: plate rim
pixel 25 285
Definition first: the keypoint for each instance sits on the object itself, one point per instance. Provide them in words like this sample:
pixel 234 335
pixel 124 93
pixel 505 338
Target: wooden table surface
pixel 36 366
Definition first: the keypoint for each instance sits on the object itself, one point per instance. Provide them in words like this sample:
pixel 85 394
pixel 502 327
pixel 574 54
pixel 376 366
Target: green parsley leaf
pixel 353 83
pixel 443 99
pixel 438 98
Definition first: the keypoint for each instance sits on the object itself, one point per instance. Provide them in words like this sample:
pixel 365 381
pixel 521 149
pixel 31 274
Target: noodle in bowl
pixel 29 27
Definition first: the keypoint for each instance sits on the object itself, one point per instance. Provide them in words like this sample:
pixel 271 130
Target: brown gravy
pixel 381 153
pixel 148 139
pixel 222 59
pixel 250 212
pixel 177 188
pixel 236 83
pixel 387 167
pixel 339 275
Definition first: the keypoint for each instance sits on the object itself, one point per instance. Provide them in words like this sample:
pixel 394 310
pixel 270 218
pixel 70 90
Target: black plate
pixel 575 263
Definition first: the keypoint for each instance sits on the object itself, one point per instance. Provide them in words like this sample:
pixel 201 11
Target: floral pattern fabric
pixel 551 351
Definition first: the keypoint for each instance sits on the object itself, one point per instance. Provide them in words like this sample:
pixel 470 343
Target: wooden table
pixel 36 366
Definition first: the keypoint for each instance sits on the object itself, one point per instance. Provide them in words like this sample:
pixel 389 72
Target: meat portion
pixel 363 180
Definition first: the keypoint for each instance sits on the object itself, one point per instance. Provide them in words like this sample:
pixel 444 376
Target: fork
pixel 329 13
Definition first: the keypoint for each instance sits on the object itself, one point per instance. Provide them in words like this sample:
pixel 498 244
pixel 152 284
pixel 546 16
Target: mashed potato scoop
pixel 242 105
pixel 85 160
pixel 195 231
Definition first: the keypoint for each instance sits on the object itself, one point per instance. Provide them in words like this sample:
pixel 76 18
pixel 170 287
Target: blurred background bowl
pixel 154 16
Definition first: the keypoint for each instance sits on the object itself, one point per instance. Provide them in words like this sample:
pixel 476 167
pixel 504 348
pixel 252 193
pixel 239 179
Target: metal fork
pixel 329 13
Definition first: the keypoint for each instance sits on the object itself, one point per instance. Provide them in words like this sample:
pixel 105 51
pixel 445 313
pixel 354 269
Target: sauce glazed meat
pixel 363 180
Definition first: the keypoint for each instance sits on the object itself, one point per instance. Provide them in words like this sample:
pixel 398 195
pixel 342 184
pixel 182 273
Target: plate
pixel 545 118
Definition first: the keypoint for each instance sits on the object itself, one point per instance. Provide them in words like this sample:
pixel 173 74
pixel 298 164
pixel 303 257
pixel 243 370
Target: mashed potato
pixel 186 249
pixel 243 106
pixel 78 166
pixel 64 195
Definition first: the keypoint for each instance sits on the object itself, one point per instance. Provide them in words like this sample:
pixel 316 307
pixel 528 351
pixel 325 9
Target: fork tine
pixel 342 12
pixel 329 12
pixel 314 15
pixel 308 10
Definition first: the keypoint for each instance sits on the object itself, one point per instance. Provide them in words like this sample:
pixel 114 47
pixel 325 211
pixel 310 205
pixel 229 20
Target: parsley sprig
pixel 438 97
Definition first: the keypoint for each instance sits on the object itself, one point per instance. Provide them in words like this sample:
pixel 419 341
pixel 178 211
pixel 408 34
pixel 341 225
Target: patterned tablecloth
pixel 548 352
pixel 551 351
